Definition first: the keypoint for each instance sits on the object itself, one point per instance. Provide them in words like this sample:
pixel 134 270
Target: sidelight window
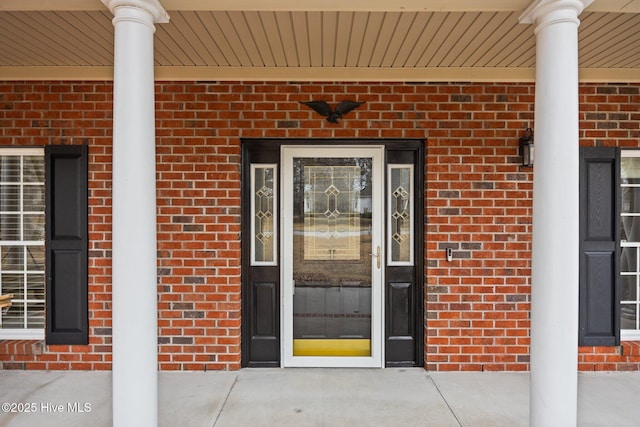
pixel 263 214
pixel 400 214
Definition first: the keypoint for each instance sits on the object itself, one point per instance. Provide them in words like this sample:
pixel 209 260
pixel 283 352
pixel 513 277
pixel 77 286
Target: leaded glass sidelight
pixel 400 215
pixel 263 214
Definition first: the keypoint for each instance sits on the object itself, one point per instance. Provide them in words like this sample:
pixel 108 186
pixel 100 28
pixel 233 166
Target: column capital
pixel 153 7
pixel 544 12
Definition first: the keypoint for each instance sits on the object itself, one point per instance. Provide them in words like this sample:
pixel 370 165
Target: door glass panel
pixel 332 262
pixel 263 208
pixel 400 218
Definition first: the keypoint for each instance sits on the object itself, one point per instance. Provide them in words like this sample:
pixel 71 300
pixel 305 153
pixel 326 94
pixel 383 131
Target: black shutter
pixel 599 254
pixel 66 244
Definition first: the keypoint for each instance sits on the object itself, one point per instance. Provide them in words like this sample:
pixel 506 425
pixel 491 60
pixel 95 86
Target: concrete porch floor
pixel 315 397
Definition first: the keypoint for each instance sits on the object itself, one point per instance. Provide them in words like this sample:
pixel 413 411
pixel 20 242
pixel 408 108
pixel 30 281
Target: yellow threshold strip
pixel 332 347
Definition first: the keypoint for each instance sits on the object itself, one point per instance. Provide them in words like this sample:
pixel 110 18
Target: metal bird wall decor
pixel 322 108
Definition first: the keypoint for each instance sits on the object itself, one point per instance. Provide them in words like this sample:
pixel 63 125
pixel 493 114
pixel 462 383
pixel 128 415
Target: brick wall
pixel 478 202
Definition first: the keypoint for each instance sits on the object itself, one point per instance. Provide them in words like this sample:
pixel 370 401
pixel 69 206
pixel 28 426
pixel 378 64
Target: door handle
pixel 377 255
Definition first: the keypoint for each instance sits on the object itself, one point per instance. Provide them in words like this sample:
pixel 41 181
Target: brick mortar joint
pixel 22 347
pixel 630 348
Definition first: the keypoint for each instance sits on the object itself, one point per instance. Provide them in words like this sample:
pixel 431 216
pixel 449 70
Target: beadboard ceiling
pixel 329 40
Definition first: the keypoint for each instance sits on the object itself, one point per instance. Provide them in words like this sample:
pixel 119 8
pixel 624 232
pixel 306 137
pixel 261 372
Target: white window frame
pixel 22 333
pixel 631 334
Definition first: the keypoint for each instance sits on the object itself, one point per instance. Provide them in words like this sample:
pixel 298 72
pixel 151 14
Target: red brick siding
pixel 478 201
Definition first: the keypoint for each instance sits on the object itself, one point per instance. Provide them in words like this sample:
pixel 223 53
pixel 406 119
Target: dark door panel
pixel 403 288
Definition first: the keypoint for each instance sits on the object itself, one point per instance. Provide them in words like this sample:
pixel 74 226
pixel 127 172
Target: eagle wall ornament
pixel 323 108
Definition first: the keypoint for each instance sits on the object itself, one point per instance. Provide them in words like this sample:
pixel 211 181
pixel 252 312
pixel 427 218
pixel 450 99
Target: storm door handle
pixel 377 255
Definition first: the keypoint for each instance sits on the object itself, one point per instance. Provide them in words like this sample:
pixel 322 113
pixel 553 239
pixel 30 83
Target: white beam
pixel 619 6
pixel 275 74
pixel 273 5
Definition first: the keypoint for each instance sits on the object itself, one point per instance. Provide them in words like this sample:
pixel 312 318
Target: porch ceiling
pixel 430 40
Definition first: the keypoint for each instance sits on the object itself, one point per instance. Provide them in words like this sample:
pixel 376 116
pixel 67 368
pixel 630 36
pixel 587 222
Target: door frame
pixel 403 333
pixel 288 153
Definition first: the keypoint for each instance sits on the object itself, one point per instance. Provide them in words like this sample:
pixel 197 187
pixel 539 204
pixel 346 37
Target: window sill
pixel 21 334
pixel 629 335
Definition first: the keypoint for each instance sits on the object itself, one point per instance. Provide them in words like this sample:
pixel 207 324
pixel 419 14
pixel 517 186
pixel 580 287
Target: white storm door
pixel 332 256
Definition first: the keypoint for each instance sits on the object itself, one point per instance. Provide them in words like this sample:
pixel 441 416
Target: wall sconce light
pixel 526 148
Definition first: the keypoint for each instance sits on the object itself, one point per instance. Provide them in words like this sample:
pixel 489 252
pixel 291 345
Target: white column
pixel 554 287
pixel 134 253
